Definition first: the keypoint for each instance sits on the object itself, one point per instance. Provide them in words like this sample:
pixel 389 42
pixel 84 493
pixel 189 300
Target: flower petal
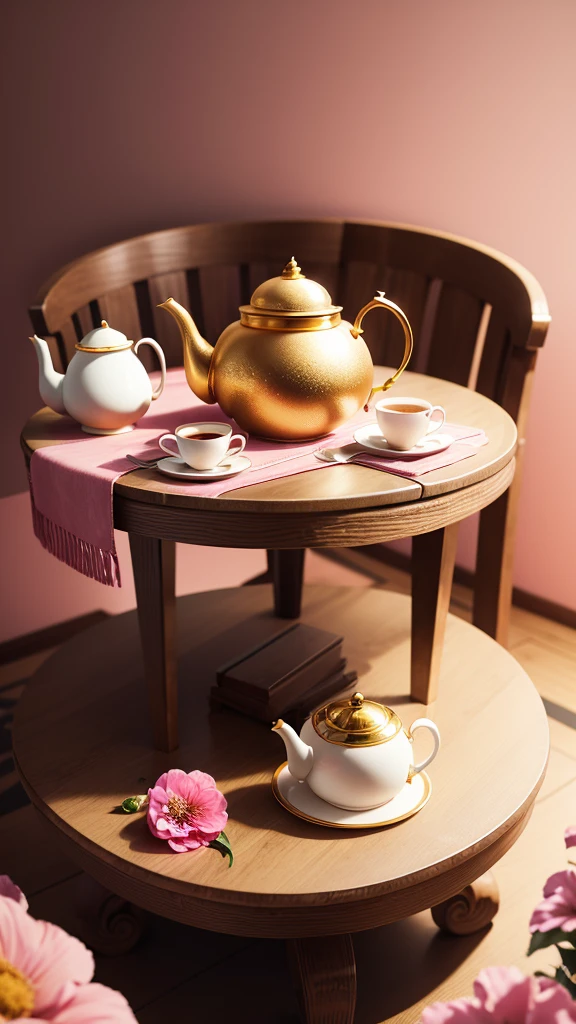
pixel 184 845
pixel 12 891
pixel 562 881
pixel 92 1004
pixel 45 954
pixel 459 1011
pixel 570 836
pixel 552 1003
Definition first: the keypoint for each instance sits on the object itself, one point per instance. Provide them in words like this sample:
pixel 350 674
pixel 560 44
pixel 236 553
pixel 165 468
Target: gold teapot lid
pixel 356 722
pixel 291 297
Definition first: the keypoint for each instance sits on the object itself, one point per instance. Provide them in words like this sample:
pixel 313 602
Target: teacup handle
pixel 168 437
pixel 234 451
pixel 434 424
pixel 423 723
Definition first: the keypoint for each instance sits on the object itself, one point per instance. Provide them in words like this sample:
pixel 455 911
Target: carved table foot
pixel 107 923
pixel 324 972
pixel 470 910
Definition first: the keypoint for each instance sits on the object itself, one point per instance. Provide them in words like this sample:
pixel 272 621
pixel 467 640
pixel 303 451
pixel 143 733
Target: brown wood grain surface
pixel 289 878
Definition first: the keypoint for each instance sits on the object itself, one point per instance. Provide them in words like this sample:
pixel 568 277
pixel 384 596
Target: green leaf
pixel 563 978
pixel 541 940
pixel 568 959
pixel 222 844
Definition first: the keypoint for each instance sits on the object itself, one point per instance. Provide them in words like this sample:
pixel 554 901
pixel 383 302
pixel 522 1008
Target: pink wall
pixel 127 117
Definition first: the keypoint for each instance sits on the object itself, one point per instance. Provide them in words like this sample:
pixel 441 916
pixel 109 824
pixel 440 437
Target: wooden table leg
pixel 324 972
pixel 433 556
pixel 154 565
pixel 287 575
pixel 494 564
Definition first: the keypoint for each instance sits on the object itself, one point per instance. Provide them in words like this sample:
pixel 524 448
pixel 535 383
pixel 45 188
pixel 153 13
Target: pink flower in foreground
pixel 570 836
pixel 558 908
pixel 186 809
pixel 45 973
pixel 502 995
pixel 9 888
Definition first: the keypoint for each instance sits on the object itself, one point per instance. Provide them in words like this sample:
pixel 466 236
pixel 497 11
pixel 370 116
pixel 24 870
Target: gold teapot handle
pixel 382 303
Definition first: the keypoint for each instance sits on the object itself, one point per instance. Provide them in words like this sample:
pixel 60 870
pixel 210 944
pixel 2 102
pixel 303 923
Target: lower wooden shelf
pixel 82 744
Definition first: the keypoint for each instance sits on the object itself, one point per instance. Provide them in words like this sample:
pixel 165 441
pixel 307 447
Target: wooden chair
pixel 479 319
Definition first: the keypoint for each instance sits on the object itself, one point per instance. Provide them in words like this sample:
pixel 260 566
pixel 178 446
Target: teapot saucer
pixel 298 798
pixel 371 438
pixel 173 466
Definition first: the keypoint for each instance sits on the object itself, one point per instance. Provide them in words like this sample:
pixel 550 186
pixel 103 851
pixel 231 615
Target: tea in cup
pixel 405 421
pixel 203 446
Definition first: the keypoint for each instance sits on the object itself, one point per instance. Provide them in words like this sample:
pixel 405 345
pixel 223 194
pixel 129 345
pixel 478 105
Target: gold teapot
pixel 290 369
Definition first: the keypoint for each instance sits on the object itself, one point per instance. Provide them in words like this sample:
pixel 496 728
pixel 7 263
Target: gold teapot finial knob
pixel 104 324
pixel 357 700
pixel 292 271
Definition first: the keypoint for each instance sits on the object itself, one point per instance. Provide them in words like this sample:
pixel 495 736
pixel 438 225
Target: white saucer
pixel 370 437
pixel 298 798
pixel 174 466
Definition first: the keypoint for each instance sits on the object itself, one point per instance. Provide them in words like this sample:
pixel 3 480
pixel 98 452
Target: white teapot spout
pixel 50 381
pixel 300 755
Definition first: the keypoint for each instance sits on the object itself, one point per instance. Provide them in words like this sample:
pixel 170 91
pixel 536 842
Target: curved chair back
pixel 478 316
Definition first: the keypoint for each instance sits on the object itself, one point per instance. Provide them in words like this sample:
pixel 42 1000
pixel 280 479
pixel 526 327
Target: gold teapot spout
pixel 197 351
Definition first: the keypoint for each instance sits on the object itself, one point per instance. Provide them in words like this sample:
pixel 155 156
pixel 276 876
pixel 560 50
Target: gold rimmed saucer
pixel 298 798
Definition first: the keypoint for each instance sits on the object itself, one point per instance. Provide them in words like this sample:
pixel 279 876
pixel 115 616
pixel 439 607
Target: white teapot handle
pixel 154 344
pixel 424 723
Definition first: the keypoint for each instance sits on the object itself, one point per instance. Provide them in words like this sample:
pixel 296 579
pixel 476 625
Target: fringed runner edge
pixel 94 562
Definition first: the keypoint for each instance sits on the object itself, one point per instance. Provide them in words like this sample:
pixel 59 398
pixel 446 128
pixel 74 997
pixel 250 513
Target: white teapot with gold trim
pixel 105 388
pixel 354 753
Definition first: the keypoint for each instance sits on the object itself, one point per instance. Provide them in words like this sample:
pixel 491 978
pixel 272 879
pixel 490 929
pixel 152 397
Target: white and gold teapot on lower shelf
pixel 354 753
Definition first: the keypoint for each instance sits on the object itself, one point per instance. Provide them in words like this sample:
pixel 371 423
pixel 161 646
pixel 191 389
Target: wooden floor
pixel 201 976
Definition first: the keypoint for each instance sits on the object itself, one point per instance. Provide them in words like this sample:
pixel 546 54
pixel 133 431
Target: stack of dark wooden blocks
pixel 287 676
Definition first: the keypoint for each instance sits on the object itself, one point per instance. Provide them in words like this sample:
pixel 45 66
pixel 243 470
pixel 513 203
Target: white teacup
pixel 405 421
pixel 203 445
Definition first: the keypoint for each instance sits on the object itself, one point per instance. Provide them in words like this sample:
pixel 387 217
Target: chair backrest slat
pixel 85 321
pixel 220 291
pixel 245 289
pixel 454 335
pixel 95 313
pixel 497 346
pixel 165 329
pixel 120 309
pixel 195 304
pixel 145 308
pixel 382 331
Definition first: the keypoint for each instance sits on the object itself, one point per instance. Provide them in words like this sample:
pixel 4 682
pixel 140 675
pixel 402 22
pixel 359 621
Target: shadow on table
pixel 256 806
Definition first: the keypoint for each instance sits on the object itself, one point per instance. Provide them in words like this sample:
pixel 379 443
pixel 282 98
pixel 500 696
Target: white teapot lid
pixel 103 339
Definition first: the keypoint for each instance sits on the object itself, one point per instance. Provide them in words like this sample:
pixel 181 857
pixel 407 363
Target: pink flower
pixel 570 836
pixel 186 809
pixel 8 888
pixel 45 973
pixel 558 908
pixel 502 995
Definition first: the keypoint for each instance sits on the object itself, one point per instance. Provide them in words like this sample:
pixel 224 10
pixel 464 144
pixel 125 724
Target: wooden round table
pixel 82 744
pixel 339 506
pixel 312 885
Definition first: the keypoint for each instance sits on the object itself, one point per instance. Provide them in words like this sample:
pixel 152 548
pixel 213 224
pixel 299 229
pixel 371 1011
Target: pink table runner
pixel 71 483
